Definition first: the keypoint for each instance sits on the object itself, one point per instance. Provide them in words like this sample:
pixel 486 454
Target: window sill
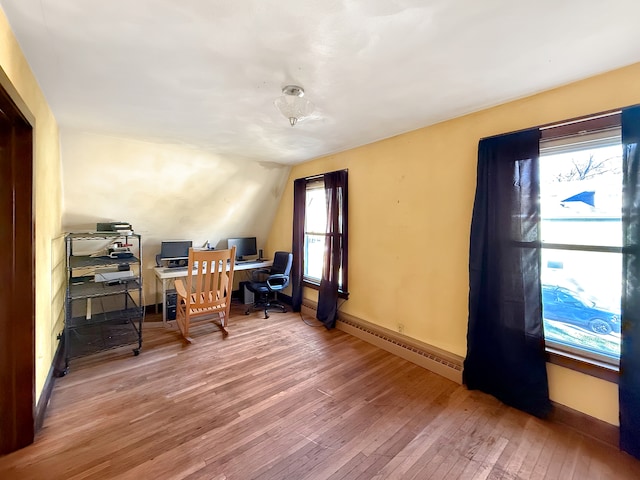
pixel 597 369
pixel 316 286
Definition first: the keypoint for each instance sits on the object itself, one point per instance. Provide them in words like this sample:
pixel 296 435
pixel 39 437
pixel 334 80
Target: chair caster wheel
pixel 136 352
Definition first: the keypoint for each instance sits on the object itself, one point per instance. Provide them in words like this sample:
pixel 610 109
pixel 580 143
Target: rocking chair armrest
pixel 180 288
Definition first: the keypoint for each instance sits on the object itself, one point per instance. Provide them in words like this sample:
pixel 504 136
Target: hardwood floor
pixel 280 399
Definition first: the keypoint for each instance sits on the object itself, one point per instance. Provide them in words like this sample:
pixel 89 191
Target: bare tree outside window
pixel 588 168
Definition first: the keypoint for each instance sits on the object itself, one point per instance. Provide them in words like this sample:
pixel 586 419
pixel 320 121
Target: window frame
pixel 311 183
pixel 590 131
pixel 317 181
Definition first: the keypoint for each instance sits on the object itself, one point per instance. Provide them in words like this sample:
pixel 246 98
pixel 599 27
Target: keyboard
pixel 176 269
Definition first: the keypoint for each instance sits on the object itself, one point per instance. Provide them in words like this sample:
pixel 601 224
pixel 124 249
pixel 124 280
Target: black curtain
pixel 335 187
pixel 299 204
pixel 629 383
pixel 505 338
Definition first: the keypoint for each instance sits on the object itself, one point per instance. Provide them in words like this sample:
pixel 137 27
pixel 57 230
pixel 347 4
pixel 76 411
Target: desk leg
pixel 155 295
pixel 164 301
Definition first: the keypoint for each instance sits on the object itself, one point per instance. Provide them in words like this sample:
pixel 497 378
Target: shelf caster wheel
pixel 136 352
pixel 63 372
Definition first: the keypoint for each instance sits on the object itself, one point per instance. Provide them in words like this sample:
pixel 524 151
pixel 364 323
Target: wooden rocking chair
pixel 207 292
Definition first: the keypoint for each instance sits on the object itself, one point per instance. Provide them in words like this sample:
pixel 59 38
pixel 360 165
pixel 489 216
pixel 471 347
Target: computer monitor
pixel 175 250
pixel 245 247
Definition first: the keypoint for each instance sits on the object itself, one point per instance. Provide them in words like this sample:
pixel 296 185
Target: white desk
pixel 165 275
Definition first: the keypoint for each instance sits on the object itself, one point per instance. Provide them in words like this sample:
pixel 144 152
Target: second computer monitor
pixel 245 246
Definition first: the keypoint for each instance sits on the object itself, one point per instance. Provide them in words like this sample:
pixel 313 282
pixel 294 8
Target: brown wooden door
pixel 17 285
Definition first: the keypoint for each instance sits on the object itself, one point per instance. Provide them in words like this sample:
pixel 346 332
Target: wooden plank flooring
pixel 285 399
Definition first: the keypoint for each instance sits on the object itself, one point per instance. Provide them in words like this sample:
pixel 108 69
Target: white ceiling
pixel 205 73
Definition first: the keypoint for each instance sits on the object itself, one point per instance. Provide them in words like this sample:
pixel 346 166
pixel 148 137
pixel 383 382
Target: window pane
pixel 315 224
pixel 581 300
pixel 313 254
pixel 581 197
pixel 581 205
pixel 316 211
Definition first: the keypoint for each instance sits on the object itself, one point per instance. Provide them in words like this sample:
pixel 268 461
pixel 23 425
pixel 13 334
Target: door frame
pixel 17 273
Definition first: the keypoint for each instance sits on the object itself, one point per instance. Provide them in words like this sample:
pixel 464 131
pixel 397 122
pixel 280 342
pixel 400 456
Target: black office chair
pixel 266 283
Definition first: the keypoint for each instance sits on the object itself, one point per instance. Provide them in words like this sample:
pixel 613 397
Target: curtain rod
pixel 321 175
pixel 570 121
pixel 581 119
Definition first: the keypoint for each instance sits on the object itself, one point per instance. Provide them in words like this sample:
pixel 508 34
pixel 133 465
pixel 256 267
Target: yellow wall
pixel 22 86
pixel 410 203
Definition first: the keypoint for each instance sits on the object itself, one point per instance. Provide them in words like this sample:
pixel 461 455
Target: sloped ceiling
pixel 205 73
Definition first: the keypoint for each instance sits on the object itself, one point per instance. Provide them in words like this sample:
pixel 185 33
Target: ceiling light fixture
pixel 293 105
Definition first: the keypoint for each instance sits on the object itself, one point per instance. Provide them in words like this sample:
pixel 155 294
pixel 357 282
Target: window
pixel 581 233
pixel 315 224
pixel 315 232
pixel 520 227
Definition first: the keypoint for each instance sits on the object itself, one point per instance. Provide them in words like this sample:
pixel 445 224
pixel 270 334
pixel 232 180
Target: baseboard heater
pixel 427 356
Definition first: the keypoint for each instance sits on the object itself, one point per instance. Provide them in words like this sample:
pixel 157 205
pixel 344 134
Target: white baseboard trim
pixel 427 356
